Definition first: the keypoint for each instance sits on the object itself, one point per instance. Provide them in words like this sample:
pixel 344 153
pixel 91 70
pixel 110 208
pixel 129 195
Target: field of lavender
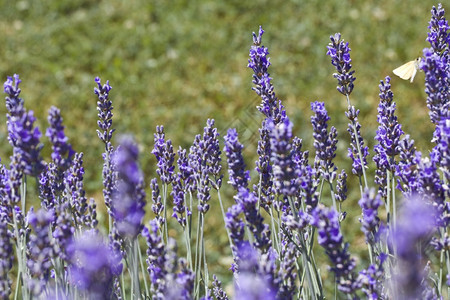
pixel 283 231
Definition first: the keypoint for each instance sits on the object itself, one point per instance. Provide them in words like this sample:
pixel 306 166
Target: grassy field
pixel 178 63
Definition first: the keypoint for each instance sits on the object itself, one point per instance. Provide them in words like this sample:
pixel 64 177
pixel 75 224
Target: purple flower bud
pixel 339 52
pixel 104 109
pixel 438 36
pixel 259 62
pixel 165 156
pixel 354 129
pixel 324 142
pixel 239 177
pixel 369 203
pixel 6 256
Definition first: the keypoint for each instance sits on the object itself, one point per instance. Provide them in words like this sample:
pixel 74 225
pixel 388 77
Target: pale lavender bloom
pixel 309 184
pixel 46 187
pixel 324 142
pixel 259 62
pixel 93 266
pixel 238 176
pixel 163 151
pixel 438 36
pixel 287 273
pixel 415 226
pixel 12 187
pixel 40 249
pixel 339 52
pixel 180 209
pixel 129 200
pixel 6 256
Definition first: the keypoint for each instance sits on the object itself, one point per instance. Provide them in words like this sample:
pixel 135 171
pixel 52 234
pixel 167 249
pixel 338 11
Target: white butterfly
pixel 408 70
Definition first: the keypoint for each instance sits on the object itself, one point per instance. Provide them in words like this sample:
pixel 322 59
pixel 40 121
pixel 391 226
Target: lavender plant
pixel 281 217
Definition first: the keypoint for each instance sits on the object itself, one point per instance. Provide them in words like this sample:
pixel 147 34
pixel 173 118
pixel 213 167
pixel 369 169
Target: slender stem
pixel 223 214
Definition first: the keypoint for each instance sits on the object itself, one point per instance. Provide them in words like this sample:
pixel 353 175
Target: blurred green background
pixel 178 63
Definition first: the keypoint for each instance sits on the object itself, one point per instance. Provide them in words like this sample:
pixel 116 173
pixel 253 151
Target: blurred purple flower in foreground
pixel 129 200
pixel 93 265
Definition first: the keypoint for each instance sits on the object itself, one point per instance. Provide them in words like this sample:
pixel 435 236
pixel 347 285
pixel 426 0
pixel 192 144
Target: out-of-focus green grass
pixel 178 63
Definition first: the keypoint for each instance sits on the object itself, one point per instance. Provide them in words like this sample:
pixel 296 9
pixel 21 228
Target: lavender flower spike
pixel 437 87
pixel 93 265
pixel 129 200
pixel 104 108
pixel 286 179
pixel 438 36
pixel 259 62
pixel 339 52
pixel 165 156
pixel 6 257
pixel 369 203
pixel 22 135
pixel 63 153
pixel 239 177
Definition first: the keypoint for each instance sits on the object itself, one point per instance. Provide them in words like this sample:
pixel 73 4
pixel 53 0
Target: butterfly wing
pixel 407 70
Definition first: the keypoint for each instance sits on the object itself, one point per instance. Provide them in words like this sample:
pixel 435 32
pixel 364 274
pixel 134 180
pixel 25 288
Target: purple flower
pixel 339 52
pixel 63 231
pixel 255 222
pixel 438 36
pixel 341 187
pixel 330 238
pixel 219 293
pixel 235 226
pixel 104 109
pixel 204 159
pixel 157 205
pixel 252 281
pixel 309 184
pixel 388 136
pixel 359 162
pixel 63 153
pixel 259 62
pixel 180 209
pixel 287 273
pixel 415 226
pixel 442 149
pixel 6 256
pixel 23 136
pixel 129 200
pixel 437 84
pixel 239 177
pixel 406 167
pixel 93 265
pixel 285 173
pixel 165 156
pixel 184 170
pixel 372 279
pixel 264 169
pixel 74 180
pixel 156 258
pixel 369 203
pixel 40 249
pixel 324 142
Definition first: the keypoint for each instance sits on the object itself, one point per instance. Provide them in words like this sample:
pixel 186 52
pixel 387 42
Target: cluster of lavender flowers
pixel 284 211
